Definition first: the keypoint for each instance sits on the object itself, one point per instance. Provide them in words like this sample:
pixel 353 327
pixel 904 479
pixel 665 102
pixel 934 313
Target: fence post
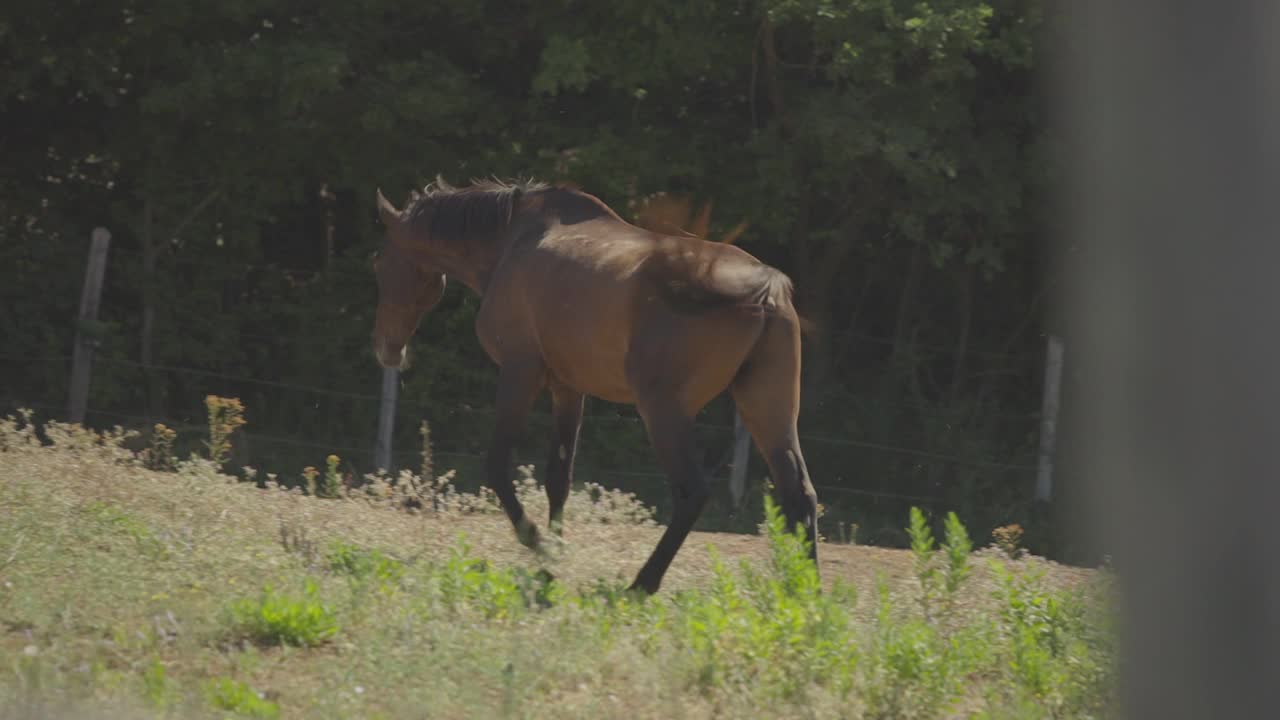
pixel 741 455
pixel 386 419
pixel 88 335
pixel 1049 418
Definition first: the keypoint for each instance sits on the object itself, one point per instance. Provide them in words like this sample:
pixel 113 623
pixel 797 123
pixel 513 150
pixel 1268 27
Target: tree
pixel 889 155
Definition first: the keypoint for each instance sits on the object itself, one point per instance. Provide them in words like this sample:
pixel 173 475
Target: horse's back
pixel 605 298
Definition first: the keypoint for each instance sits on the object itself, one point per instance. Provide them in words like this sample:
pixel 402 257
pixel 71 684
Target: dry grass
pixel 115 583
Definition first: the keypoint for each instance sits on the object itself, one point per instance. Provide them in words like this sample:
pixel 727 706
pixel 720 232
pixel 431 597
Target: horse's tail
pixel 808 328
pixel 779 295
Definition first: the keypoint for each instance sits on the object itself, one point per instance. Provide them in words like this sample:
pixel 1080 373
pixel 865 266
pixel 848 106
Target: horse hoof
pixel 528 534
pixel 640 590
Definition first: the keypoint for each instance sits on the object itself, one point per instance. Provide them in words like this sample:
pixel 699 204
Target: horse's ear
pixel 734 233
pixel 442 184
pixel 390 216
pixel 702 223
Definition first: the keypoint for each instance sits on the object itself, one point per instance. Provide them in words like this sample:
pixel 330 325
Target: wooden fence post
pixel 88 334
pixel 741 456
pixel 1049 418
pixel 386 419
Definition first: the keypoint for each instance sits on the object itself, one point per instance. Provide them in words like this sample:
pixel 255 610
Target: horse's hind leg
pixel 767 394
pixel 566 419
pixel 791 478
pixel 671 432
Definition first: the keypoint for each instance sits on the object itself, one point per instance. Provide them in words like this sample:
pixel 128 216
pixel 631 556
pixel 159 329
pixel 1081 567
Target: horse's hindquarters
pixel 693 358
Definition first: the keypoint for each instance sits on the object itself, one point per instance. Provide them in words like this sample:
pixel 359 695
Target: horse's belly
pixel 593 366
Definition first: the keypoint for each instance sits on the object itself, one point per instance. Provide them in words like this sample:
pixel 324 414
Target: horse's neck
pixel 471 261
pixel 474 259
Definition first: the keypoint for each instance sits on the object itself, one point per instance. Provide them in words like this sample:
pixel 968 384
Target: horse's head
pixel 408 286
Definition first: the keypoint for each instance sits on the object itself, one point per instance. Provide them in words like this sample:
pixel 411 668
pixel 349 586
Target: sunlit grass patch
pixel 191 594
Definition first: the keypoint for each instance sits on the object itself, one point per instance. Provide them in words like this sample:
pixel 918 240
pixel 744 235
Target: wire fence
pixel 257 437
pixel 646 477
pixel 347 271
pixel 805 438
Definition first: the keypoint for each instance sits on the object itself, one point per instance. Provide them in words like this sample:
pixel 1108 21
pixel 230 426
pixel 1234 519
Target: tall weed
pixel 940 578
pixel 1056 647
pixel 225 416
pixel 776 629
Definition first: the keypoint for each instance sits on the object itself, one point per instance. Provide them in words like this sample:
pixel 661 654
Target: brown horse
pixel 576 300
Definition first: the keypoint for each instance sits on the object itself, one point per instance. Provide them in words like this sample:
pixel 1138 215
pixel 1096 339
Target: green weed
pixel 159 453
pixel 1055 649
pixel 940 579
pixel 331 483
pixel 360 563
pixel 278 619
pixel 776 629
pixel 465 584
pixel 159 690
pixel 912 668
pixel 107 605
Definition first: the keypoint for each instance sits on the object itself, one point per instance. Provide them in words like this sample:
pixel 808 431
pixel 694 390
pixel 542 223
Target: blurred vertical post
pixel 87 337
pixel 1049 418
pixel 1171 119
pixel 386 419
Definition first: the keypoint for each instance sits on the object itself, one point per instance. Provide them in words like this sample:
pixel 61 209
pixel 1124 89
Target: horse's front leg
pixel 518 386
pixel 566 420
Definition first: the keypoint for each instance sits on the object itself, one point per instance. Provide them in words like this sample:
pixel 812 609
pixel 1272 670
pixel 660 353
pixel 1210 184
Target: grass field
pixel 127 592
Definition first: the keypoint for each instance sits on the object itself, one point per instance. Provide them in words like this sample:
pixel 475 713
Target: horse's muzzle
pixel 390 355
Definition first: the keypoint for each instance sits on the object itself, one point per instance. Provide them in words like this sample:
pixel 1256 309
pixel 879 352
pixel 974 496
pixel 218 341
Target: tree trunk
pixel 902 323
pixel 939 470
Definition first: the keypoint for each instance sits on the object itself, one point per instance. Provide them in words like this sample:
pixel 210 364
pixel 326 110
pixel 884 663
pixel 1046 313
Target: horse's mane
pixel 483 207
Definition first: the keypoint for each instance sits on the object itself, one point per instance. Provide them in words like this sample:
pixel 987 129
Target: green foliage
pixel 158 688
pixel 912 670
pixel 109 520
pixel 275 618
pixel 565 65
pixel 922 544
pixel 331 485
pixel 347 559
pixel 234 696
pixel 470 636
pixel 1056 649
pixel 890 156
pixel 159 454
pixel 957 548
pixel 463 585
pixel 777 629
pixel 919 664
pixel 939 584
pixel 365 568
